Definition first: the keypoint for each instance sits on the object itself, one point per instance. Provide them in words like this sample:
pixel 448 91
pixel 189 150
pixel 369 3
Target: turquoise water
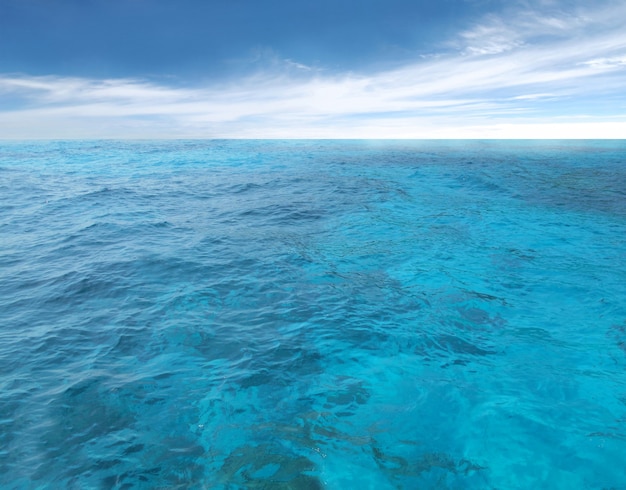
pixel 310 314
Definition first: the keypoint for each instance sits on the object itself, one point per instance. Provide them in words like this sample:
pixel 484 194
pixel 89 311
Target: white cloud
pixel 493 36
pixel 533 96
pixel 507 75
pixel 529 23
pixel 613 62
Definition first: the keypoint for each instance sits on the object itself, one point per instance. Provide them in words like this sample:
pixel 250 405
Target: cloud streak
pixel 538 75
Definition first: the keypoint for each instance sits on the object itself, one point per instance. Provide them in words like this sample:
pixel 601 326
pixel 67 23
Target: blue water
pixel 310 314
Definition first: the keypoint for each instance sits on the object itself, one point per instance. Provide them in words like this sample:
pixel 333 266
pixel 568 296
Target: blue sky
pixel 320 69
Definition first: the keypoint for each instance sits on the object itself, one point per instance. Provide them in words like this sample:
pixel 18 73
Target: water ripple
pixel 312 314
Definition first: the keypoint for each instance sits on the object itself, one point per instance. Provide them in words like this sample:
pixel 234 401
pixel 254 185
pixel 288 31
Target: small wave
pixel 310 314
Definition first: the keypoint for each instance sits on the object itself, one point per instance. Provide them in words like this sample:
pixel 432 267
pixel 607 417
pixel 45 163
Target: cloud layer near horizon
pixel 538 73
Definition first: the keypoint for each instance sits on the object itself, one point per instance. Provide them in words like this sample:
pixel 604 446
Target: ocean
pixel 313 314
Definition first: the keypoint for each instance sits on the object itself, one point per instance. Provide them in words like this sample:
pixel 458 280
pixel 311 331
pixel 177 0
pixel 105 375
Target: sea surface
pixel 313 314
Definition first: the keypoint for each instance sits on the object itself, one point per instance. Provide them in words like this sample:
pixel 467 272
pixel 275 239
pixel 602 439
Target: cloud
pixel 529 73
pixel 613 62
pixel 528 24
pixel 491 37
pixel 533 96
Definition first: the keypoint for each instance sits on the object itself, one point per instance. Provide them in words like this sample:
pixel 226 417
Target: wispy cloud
pixel 613 62
pixel 516 76
pixel 520 27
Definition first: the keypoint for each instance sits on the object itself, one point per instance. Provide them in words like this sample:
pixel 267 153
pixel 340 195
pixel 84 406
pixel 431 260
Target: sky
pixel 312 69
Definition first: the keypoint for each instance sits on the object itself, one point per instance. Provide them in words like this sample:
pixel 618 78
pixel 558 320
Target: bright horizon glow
pixel 539 73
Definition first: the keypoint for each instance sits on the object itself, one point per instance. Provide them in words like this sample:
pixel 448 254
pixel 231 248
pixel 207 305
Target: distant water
pixel 310 314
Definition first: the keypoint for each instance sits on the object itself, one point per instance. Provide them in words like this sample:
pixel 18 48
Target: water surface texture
pixel 310 314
